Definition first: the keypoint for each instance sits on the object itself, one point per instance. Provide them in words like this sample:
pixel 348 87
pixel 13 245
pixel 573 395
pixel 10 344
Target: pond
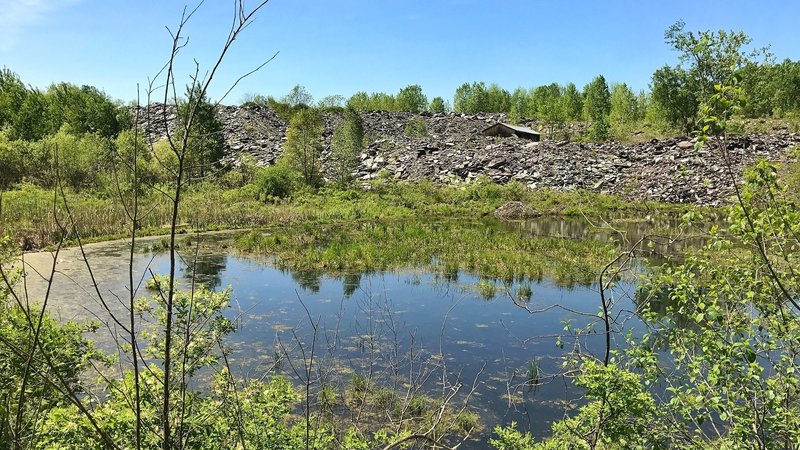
pixel 405 328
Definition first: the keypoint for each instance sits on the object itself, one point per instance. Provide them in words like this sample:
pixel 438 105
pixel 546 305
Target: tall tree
pixel 303 147
pixel 674 97
pixel 711 57
pixel 597 105
pixel 205 144
pixel 519 105
pixel 85 109
pixel 706 59
pixel 437 105
pixel 547 99
pixel 471 98
pixel 623 112
pixel 411 99
pixel 497 99
pixel 359 101
pixel 572 101
pixel 298 96
pixel 12 95
pixel 331 102
pixel 348 141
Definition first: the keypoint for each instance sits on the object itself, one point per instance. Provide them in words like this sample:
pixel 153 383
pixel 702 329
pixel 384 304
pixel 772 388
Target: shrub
pixel 416 128
pixel 276 181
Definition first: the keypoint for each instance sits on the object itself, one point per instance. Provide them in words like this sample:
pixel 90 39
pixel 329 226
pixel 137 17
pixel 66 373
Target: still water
pixel 410 326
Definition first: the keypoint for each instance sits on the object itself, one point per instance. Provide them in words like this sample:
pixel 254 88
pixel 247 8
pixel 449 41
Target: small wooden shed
pixel 508 130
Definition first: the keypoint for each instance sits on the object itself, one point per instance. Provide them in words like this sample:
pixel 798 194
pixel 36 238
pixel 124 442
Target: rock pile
pixel 452 150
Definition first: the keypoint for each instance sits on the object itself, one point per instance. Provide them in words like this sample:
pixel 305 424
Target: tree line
pixel 705 59
pixel 88 128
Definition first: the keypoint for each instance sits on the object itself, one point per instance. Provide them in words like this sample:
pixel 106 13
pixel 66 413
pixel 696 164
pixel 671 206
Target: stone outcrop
pixel 452 150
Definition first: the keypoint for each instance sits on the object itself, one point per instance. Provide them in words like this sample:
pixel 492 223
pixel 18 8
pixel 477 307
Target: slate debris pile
pixel 452 150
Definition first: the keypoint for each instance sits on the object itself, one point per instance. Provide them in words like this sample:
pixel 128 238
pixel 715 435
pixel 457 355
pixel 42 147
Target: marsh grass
pixel 487 289
pixel 29 212
pixel 485 248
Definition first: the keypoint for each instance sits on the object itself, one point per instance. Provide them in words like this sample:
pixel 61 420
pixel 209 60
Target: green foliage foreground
pixel 718 365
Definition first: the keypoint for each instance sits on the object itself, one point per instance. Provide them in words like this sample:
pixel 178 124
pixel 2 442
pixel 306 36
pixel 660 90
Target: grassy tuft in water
pixel 487 289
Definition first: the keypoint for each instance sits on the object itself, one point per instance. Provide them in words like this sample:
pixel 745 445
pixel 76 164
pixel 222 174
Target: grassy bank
pixel 31 214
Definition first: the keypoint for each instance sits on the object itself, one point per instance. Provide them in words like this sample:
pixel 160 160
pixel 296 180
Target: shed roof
pixel 518 130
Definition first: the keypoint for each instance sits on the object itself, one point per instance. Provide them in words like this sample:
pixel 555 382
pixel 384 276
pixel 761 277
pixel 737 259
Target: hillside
pixel 453 151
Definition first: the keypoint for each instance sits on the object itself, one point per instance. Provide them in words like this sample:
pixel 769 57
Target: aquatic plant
pixel 487 289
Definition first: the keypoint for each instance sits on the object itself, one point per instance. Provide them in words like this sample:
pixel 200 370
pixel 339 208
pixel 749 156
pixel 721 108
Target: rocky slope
pixel 453 151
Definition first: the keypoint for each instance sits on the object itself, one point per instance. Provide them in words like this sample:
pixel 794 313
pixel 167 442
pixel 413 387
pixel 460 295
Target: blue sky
pixel 343 46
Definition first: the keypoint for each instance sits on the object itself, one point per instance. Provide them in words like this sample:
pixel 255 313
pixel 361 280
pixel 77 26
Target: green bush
pixel 276 181
pixel 416 128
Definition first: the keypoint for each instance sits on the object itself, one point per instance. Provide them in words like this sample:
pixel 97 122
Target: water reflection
pixel 206 267
pixel 424 311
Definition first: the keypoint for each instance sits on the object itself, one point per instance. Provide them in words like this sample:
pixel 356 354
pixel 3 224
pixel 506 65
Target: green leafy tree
pixel 771 89
pixel 80 161
pixel 785 79
pixel 205 142
pixel 497 99
pixel 471 98
pixel 85 109
pixel 707 59
pixel 597 105
pixel 33 120
pixel 276 181
pixel 298 96
pixel 624 110
pixel 711 57
pixel 411 99
pixel 519 105
pixel 348 141
pixel 359 101
pixel 572 102
pixel 437 105
pixel 302 150
pixel 12 95
pixel 549 107
pixel 23 161
pixel 331 102
pixel 381 101
pixel 674 97
pixel 475 97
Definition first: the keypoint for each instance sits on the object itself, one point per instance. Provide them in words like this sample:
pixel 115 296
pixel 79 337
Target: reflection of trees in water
pixel 656 300
pixel 350 283
pixel 664 241
pixel 309 280
pixel 207 268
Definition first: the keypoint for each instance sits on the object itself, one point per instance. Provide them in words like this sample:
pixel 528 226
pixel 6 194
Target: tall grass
pixel 30 212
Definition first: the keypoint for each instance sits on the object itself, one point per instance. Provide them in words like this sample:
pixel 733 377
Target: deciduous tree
pixel 597 105
pixel 348 141
pixel 303 147
pixel 412 99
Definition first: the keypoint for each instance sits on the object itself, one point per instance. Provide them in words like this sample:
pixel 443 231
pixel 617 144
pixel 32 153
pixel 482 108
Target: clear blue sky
pixel 343 46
